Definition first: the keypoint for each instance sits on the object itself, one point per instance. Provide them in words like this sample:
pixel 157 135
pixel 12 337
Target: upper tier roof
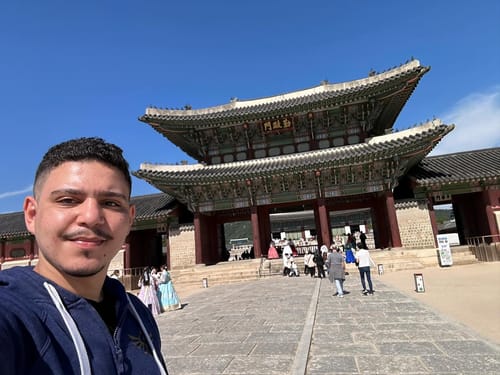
pixel 317 97
pixel 422 138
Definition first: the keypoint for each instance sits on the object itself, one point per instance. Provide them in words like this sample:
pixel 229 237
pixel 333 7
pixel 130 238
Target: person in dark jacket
pixel 65 316
pixel 320 261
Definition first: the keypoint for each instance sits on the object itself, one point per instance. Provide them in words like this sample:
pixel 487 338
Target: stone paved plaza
pixel 284 325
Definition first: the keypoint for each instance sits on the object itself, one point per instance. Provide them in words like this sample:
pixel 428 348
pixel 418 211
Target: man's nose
pixel 91 212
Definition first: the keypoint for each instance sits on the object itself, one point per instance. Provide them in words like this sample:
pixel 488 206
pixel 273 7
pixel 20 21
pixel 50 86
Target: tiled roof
pixel 12 225
pixel 339 92
pixel 459 167
pixel 376 148
pixel 152 206
pixel 147 207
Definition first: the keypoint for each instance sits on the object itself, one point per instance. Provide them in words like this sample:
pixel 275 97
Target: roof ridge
pixel 323 87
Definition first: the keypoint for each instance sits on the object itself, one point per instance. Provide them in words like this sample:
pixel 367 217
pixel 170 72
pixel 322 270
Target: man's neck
pixel 87 287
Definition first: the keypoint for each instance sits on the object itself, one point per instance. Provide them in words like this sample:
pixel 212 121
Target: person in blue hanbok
pixel 349 254
pixel 168 297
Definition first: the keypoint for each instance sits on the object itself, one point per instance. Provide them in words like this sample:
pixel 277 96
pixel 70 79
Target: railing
pixel 130 277
pixel 485 248
pixel 302 250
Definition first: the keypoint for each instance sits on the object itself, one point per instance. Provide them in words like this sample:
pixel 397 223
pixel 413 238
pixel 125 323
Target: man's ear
pixel 132 214
pixel 30 208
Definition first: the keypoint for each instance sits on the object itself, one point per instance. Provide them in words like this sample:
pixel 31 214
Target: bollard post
pixel 419 282
pixel 380 268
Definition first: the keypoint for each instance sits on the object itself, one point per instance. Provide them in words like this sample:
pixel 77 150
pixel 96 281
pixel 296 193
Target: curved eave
pixel 15 235
pixel 417 141
pixel 407 75
pixel 153 207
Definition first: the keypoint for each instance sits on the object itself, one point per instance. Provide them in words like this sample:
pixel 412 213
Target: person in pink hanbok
pixel 272 253
pixel 148 293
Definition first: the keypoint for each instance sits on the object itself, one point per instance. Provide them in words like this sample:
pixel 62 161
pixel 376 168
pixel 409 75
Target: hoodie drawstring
pixel 163 371
pixel 83 358
pixel 81 351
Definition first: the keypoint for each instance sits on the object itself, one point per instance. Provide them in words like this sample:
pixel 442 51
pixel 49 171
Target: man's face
pixel 80 217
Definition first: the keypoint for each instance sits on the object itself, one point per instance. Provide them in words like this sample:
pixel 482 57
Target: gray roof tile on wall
pixel 152 206
pixel 12 225
pixel 458 167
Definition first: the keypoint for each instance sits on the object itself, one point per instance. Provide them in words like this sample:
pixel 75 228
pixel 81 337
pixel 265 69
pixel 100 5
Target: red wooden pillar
pixel 265 230
pixel 2 253
pixel 392 220
pixel 432 216
pixel 324 223
pixel 128 262
pixel 31 254
pixel 257 246
pixel 491 198
pixel 198 238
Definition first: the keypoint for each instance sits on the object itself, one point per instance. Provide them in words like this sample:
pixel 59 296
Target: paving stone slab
pixel 390 365
pixel 273 349
pixel 222 349
pixel 332 364
pixel 260 365
pixel 200 366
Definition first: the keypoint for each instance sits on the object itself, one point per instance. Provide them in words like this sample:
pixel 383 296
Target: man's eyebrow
pixel 104 194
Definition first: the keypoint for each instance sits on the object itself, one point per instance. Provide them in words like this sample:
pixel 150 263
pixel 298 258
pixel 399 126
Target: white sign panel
pixel 444 250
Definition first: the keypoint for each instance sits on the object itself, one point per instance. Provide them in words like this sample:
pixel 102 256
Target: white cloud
pixel 17 192
pixel 477 123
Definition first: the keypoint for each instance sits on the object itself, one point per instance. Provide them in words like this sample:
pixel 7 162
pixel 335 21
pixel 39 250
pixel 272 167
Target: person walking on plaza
pixel 351 241
pixel 148 293
pixel 65 316
pixel 335 264
pixel 320 261
pixel 287 260
pixel 309 265
pixel 272 253
pixel 364 261
pixel 362 239
pixel 169 300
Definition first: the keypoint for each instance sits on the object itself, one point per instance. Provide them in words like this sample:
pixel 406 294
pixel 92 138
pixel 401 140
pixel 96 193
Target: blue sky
pixel 90 68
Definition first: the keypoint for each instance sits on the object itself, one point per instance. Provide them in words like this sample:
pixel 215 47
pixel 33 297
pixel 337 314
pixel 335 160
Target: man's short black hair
pixel 83 149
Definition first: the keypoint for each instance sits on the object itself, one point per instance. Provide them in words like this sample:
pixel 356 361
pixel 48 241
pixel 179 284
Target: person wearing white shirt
pixel 364 261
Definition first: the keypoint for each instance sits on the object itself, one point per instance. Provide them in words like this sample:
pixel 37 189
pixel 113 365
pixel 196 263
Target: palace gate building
pixel 328 153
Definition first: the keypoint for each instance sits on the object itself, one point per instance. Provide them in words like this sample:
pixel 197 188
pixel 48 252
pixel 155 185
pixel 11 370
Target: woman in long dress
pixel 148 293
pixel 169 300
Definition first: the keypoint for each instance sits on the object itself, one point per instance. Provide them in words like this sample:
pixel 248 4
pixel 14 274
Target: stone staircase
pixel 244 270
pixel 221 273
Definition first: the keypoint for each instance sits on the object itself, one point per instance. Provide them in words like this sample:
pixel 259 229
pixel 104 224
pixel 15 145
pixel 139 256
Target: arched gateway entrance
pixel 313 222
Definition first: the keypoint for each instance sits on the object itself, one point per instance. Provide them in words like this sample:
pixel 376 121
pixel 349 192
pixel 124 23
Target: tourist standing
pixel 272 253
pixel 364 261
pixel 335 264
pixel 148 292
pixel 309 265
pixel 169 300
pixel 362 239
pixel 320 262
